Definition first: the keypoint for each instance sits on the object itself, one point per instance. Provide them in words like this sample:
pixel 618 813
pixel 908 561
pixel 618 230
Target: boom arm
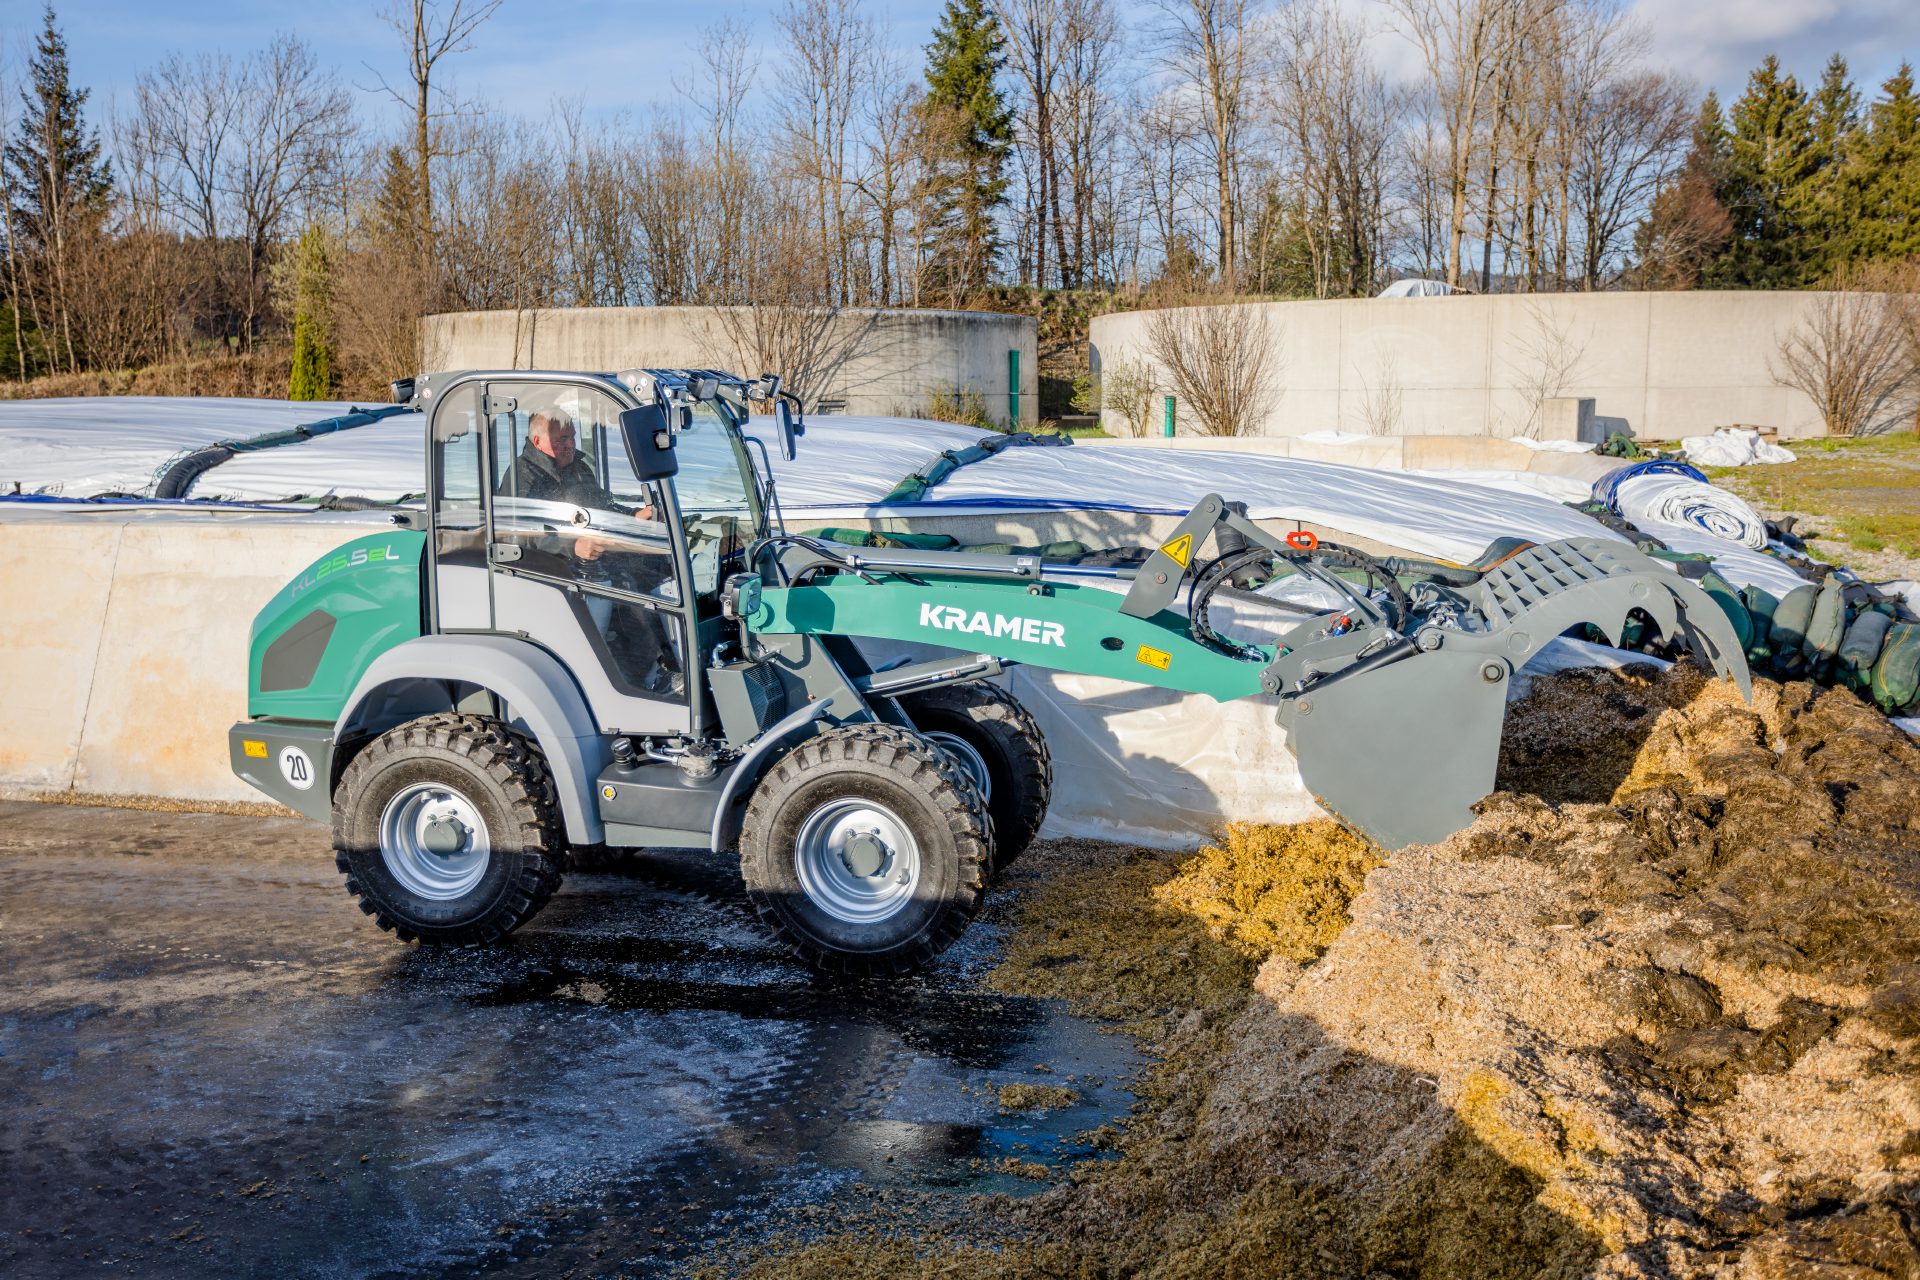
pixel 1395 721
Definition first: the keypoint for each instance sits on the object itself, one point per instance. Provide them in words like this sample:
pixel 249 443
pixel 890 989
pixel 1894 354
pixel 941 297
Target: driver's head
pixel 552 434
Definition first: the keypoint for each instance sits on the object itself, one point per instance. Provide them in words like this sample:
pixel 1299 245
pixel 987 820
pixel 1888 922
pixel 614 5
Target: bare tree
pixel 1381 401
pixel 1851 353
pixel 431 34
pixel 1215 51
pixel 1547 360
pixel 1221 360
pixel 829 59
pixel 1340 120
pixel 1470 48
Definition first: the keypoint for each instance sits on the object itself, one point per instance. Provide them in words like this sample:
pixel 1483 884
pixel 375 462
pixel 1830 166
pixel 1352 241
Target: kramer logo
pixel 1027 630
pixel 327 568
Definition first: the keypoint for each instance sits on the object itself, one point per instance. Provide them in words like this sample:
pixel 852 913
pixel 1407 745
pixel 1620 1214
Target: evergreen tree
pixel 1835 112
pixel 1875 202
pixel 57 174
pixel 969 132
pixel 312 318
pixel 396 203
pixel 1772 153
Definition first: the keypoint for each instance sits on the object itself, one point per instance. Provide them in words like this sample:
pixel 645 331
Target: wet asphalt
pixel 213 1064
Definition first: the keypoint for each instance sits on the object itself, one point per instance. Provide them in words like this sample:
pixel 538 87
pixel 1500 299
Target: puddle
pixel 637 1074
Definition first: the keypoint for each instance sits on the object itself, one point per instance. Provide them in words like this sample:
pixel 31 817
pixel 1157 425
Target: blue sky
pixel 623 56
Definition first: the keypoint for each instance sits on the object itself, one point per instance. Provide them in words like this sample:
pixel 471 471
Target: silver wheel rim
pixel 971 762
pixel 857 861
pixel 434 842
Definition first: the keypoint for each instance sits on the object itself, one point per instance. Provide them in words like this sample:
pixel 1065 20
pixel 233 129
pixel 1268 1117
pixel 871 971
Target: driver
pixel 551 469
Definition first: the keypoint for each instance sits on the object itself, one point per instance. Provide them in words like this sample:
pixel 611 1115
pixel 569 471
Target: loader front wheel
pixel 446 830
pixel 865 850
pixel 996 741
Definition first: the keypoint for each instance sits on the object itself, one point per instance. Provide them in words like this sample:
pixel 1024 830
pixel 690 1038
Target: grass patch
pixel 1869 487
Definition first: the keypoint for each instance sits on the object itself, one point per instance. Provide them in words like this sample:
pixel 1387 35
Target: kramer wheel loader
pixel 598 635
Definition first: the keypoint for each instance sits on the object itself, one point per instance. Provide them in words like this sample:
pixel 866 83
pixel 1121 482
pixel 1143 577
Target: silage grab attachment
pixel 1392 702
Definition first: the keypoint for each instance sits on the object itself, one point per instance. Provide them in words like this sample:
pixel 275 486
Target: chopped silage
pixel 1657 1013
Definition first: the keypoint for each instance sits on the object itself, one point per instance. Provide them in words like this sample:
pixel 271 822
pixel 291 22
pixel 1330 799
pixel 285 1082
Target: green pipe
pixel 1013 390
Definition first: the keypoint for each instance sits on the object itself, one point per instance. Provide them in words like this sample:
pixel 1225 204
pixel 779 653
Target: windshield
pixel 719 503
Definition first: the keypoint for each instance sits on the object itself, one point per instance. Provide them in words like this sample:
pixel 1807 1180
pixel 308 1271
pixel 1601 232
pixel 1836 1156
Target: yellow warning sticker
pixel 1153 657
pixel 255 748
pixel 1180 550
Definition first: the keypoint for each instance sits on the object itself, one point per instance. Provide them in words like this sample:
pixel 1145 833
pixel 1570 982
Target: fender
pixel 538 691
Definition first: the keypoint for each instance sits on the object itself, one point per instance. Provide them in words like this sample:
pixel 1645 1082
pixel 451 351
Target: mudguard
pixel 537 689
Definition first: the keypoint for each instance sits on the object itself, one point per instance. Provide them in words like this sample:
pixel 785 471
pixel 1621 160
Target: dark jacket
pixel 535 475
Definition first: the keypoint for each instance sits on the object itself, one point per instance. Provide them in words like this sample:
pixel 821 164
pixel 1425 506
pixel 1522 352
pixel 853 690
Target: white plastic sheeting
pixel 85 445
pixel 1676 500
pixel 1732 447
pixel 1562 489
pixel 1553 446
pixel 384 461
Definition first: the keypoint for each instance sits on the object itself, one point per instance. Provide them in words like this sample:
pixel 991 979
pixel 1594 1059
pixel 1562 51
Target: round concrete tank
pixel 861 361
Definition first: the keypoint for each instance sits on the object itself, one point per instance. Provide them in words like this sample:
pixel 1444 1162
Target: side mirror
pixel 649 443
pixel 783 414
pixel 740 596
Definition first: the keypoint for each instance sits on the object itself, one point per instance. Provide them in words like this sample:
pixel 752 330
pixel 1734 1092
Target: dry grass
pixel 263 374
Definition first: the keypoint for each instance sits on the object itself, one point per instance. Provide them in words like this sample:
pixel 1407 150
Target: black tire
pixel 1003 733
pixel 867 769
pixel 485 771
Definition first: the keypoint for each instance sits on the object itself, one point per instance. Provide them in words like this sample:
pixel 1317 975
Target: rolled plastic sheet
pixel 1676 500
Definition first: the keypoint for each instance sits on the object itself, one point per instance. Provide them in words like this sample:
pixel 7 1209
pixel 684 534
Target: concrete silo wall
pixel 869 361
pixel 1655 365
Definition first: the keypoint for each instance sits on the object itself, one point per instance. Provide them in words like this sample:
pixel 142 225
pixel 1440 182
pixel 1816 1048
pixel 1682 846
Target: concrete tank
pixel 1655 366
pixel 859 361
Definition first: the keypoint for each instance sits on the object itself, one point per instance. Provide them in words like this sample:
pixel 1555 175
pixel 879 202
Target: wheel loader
pixel 598 635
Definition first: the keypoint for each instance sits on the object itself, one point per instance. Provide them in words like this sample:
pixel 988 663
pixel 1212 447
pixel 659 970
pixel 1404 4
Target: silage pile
pixel 1670 1033
pixel 1657 1013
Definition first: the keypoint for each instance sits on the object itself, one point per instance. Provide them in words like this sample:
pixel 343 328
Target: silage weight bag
pixel 1896 676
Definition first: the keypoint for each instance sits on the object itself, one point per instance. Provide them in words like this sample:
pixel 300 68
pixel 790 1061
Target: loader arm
pixel 1395 720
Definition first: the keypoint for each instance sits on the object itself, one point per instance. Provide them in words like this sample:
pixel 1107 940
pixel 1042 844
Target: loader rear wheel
pixel 996 741
pixel 865 850
pixel 446 830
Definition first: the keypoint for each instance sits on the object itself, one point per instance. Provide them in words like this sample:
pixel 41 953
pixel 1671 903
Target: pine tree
pixel 396 203
pixel 1771 155
pixel 59 190
pixel 58 175
pixel 312 318
pixel 1876 196
pixel 969 131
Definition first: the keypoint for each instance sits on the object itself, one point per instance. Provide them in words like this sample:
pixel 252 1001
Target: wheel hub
pixel 857 861
pixel 434 841
pixel 865 854
pixel 445 834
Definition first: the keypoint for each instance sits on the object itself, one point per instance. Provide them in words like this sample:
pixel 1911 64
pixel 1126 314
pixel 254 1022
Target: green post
pixel 1169 430
pixel 1013 390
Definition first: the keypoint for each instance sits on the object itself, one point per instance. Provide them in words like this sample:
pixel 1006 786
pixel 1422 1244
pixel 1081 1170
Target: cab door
pixel 579 558
pixel 457 496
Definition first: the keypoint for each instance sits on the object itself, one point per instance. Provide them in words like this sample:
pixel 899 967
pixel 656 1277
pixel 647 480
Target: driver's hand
pixel 588 548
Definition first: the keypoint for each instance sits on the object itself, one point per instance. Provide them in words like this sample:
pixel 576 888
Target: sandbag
pixel 1896 676
pixel 1791 618
pixel 1760 607
pixel 1860 649
pixel 1730 604
pixel 1829 622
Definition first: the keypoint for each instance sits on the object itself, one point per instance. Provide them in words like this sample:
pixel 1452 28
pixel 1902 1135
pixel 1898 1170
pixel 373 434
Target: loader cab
pixel 542 528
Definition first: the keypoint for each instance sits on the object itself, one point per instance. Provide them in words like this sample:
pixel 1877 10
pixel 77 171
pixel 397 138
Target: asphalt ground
pixel 213 1064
